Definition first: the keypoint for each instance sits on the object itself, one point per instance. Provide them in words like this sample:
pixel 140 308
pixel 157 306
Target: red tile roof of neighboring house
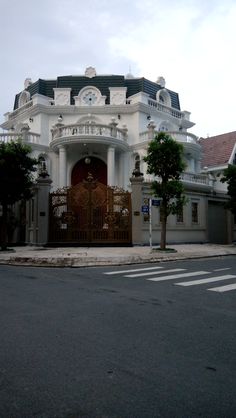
pixel 216 150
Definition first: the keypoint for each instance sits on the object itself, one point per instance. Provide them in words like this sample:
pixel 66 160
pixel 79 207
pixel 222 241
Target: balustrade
pixel 162 108
pixel 89 130
pixel 30 137
pixel 195 178
pixel 201 179
pixel 179 136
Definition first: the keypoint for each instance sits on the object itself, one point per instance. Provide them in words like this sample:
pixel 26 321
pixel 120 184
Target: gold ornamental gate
pixel 90 213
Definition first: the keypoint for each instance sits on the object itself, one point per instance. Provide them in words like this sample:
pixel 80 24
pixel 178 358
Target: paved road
pixel 81 343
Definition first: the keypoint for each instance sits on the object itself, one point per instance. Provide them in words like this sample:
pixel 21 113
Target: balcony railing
pixel 166 109
pixel 83 130
pixel 177 135
pixel 200 179
pixel 195 178
pixel 30 137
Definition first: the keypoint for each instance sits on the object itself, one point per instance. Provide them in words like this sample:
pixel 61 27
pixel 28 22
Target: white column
pixel 127 169
pixel 62 167
pixel 124 170
pixel 111 166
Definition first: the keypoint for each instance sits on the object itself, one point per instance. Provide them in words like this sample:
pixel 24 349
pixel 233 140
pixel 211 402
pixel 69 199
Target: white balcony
pixel 195 178
pixel 180 136
pixel 29 137
pixel 89 132
pixel 191 181
pixel 166 109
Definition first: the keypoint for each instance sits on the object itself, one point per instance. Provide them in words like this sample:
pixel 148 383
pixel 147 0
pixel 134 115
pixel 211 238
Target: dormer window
pixel 24 98
pixel 163 97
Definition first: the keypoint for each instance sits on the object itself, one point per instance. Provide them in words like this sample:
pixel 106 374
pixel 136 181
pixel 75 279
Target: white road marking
pixel 133 270
pixel 209 280
pixel 154 272
pixel 178 276
pixel 226 268
pixel 222 289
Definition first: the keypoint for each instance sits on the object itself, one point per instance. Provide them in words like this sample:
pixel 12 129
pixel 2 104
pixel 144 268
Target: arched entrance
pixel 89 166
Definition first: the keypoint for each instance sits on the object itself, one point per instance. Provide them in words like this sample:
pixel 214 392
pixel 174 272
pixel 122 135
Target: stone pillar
pixel 43 185
pixel 62 167
pixel 137 201
pixel 111 166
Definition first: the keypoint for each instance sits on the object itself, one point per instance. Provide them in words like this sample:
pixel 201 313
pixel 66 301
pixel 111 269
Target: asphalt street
pixel 137 341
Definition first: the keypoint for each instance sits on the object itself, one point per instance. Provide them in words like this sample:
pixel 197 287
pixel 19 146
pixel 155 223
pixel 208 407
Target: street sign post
pixel 148 210
pixel 150 223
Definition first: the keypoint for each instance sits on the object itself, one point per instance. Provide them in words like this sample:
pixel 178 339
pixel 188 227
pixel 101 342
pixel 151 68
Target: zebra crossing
pixel 160 274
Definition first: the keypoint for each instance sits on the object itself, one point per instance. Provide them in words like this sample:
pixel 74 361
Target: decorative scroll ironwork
pixel 90 213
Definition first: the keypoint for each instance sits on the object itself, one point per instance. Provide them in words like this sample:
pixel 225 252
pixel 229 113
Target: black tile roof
pixel 102 82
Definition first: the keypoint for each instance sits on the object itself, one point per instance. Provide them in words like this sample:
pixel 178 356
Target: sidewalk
pixel 102 256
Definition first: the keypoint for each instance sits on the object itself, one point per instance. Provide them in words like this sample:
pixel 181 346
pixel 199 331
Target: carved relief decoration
pixel 90 72
pixel 62 97
pixel 117 95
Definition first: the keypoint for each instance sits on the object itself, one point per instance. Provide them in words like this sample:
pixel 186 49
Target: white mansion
pixel 98 127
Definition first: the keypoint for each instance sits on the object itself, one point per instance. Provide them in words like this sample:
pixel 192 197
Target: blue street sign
pixel 145 209
pixel 156 202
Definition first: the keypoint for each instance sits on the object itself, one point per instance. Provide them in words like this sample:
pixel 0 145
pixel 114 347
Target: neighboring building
pixel 98 127
pixel 217 153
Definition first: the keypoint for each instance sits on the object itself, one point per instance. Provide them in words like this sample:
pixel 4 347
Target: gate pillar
pixel 137 199
pixel 44 185
pixel 38 213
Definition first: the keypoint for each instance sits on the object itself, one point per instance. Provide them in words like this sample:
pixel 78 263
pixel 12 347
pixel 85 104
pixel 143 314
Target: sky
pixel 191 43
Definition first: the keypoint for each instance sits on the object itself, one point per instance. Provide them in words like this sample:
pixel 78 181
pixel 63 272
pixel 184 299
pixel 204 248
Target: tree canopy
pixel 165 161
pixel 16 178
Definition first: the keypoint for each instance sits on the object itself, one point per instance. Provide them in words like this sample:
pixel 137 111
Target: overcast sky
pixel 191 43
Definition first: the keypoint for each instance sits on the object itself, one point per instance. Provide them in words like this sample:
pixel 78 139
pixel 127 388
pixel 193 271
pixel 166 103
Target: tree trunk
pixel 163 233
pixel 163 214
pixel 4 227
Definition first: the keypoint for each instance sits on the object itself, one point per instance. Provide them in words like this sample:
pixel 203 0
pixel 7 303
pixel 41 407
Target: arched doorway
pixel 89 165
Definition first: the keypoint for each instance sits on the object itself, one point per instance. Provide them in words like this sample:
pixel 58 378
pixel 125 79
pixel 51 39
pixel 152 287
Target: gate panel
pixel 90 213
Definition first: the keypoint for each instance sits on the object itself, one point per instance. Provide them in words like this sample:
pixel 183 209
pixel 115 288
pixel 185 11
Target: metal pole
pixel 150 223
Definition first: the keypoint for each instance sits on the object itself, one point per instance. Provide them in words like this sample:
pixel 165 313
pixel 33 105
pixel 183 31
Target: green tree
pixel 16 179
pixel 165 161
pixel 229 176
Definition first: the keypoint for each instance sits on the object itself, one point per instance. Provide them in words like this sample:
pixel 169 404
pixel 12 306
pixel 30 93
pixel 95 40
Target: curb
pixel 99 261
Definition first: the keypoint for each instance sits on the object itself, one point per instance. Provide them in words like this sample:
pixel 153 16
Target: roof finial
pixel 129 75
